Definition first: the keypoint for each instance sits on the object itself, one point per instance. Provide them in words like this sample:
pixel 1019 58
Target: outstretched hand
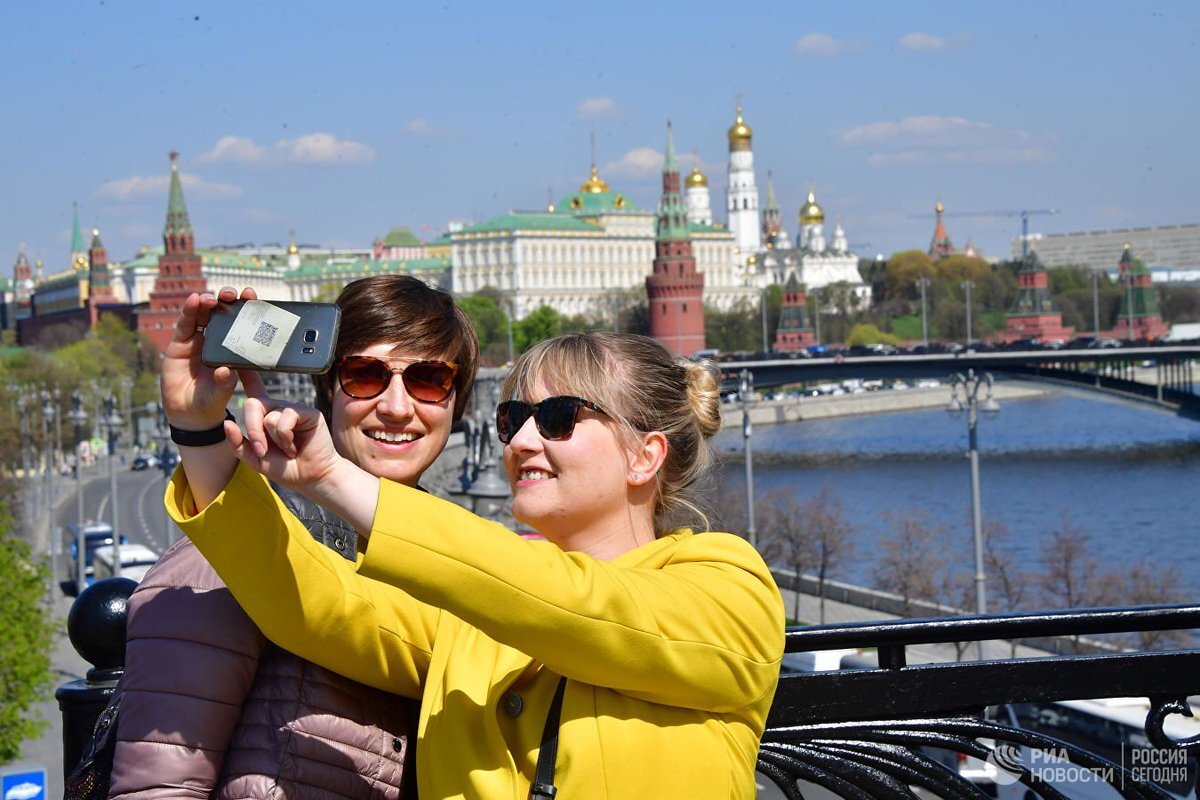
pixel 194 395
pixel 288 442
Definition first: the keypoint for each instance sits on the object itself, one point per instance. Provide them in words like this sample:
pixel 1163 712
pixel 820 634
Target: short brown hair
pixel 412 315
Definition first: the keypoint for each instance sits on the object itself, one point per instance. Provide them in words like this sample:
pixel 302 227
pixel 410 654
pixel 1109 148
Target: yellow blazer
pixel 671 651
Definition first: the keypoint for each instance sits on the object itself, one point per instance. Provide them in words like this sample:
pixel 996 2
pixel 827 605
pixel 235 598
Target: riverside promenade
pixel 806 407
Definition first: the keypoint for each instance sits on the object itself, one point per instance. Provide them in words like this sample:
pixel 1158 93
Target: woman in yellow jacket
pixel 666 640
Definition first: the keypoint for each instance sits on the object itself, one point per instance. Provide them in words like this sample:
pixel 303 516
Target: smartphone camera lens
pixel 310 335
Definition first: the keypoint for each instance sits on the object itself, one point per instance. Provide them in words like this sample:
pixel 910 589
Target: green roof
pixel 520 221
pixel 584 203
pixel 362 267
pixel 401 236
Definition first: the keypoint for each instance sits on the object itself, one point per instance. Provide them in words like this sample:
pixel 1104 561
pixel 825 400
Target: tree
pixel 1144 586
pixel 912 558
pixel 1070 577
pixel 26 628
pixel 831 537
pixel 901 274
pixel 739 328
pixel 543 323
pixel 491 326
pixel 786 537
pixel 1008 584
pixel 865 333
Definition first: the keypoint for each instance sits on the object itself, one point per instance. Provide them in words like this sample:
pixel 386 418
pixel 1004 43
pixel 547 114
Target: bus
pixel 1112 728
pixel 136 561
pixel 95 535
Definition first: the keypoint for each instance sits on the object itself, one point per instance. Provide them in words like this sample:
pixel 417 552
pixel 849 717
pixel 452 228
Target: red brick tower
pixel 1033 314
pixel 179 272
pixel 940 246
pixel 99 280
pixel 1140 296
pixel 675 290
pixel 794 332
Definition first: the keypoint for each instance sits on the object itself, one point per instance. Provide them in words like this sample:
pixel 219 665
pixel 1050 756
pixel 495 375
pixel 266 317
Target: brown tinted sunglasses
pixel 364 377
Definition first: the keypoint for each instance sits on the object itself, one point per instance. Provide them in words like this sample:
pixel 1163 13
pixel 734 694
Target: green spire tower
pixel 79 258
pixel 1139 317
pixel 177 234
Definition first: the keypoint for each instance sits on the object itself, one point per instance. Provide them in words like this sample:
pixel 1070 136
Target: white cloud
pixel 919 40
pixel 822 45
pixel 424 128
pixel 597 108
pixel 158 185
pixel 947 140
pixel 312 148
pixel 640 162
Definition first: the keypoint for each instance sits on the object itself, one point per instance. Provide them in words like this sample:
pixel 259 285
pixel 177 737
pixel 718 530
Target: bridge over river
pixel 1112 373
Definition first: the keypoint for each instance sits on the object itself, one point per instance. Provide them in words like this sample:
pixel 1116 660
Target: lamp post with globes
pixel 969 387
pixel 923 284
pixel 49 412
pixel 162 436
pixel 78 419
pixel 745 394
pixel 112 423
pixel 967 286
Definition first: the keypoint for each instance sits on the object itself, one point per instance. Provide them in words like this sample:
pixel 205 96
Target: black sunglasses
pixel 555 416
pixel 364 377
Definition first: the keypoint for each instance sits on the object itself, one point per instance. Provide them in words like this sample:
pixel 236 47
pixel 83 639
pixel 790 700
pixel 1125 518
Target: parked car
pixel 143 462
pixel 136 561
pixel 95 535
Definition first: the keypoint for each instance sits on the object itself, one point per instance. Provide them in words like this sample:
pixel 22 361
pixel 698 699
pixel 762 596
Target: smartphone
pixel 274 336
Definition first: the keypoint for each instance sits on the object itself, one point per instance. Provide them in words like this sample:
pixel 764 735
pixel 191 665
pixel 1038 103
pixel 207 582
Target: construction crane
pixel 1023 213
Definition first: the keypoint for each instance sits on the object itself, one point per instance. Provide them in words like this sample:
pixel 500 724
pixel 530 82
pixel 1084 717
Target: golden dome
pixel 594 184
pixel 811 212
pixel 739 133
pixel 697 177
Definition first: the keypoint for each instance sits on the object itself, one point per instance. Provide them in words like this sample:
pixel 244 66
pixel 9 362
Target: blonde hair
pixel 642 388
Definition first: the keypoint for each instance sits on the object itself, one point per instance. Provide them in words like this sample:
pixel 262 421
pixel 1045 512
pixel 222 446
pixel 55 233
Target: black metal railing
pixel 896 730
pixel 956 729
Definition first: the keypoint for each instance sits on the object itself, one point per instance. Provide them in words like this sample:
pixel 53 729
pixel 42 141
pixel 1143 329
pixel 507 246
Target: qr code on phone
pixel 265 333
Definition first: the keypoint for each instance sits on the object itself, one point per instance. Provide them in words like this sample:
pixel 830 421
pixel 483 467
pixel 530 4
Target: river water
pixel 1129 478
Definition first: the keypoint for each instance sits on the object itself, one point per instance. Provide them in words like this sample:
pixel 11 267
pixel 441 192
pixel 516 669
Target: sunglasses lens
pixel 510 416
pixel 429 381
pixel 556 417
pixel 362 377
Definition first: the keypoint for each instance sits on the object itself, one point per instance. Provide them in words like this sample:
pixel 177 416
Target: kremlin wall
pixel 580 255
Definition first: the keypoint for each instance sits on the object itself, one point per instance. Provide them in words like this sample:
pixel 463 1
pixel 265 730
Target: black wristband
pixel 200 438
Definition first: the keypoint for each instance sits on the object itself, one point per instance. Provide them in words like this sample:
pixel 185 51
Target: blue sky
pixel 340 123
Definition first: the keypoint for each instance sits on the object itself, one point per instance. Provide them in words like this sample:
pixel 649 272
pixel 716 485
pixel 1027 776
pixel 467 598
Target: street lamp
pixel 923 283
pixel 49 411
pixel 78 418
pixel 815 294
pixel 162 436
pixel 1129 303
pixel 745 390
pixel 967 286
pixel 488 491
pixel 969 386
pixel 112 423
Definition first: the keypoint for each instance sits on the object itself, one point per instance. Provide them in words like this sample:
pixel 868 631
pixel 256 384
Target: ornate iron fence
pixel 962 729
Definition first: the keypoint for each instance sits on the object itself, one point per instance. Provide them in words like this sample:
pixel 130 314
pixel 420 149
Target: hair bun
pixel 703 394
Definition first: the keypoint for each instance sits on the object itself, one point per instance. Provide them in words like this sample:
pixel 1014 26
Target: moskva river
pixel 1128 478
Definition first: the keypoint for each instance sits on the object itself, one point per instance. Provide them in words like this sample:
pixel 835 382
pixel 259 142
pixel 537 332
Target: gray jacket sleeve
pixel 191 654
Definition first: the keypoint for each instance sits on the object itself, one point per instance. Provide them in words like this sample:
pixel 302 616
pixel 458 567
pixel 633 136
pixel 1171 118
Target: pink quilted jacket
pixel 211 709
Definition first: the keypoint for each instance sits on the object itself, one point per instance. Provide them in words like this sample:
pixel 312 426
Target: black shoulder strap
pixel 543 779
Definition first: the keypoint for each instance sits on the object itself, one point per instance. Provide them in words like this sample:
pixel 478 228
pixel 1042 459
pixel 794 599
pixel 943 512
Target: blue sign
pixel 28 785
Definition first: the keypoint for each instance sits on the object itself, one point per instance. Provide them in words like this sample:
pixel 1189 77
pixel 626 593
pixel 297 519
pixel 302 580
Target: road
pixel 142 518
